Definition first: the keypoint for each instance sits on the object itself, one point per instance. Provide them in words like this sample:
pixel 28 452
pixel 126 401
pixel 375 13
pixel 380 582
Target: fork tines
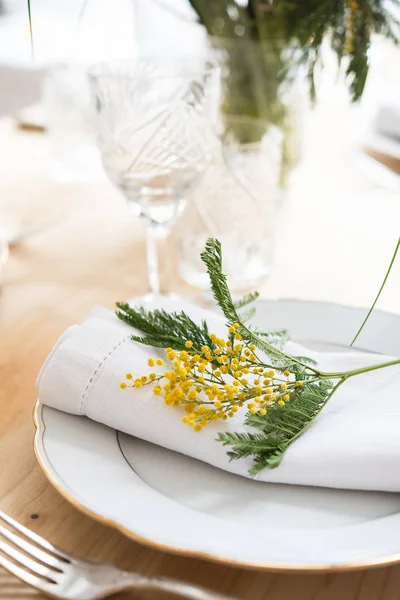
pixel 28 556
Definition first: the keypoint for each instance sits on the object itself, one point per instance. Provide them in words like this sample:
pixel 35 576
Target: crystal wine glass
pixel 155 120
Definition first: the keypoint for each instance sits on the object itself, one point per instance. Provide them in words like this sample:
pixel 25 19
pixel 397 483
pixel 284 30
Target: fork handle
pixel 180 588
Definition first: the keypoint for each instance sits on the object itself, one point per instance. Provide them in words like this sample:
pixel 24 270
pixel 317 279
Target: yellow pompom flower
pixel 211 386
pixel 122 385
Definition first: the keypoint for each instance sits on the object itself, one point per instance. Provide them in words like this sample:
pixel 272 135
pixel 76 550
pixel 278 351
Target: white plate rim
pixel 54 478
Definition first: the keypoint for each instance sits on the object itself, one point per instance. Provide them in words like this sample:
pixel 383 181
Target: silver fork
pixel 62 575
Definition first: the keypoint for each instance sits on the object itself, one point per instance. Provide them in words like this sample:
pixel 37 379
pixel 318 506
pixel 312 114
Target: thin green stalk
pixel 31 30
pixel 379 293
pixel 360 371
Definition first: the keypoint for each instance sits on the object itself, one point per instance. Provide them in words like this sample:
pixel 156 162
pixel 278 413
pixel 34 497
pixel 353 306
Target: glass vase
pixel 262 80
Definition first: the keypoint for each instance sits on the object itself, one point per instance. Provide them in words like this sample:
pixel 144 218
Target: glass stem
pixel 156 237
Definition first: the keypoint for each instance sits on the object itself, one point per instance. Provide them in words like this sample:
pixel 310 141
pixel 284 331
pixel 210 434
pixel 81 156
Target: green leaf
pixel 280 427
pixel 164 329
pixel 212 257
pixel 280 337
pixel 247 299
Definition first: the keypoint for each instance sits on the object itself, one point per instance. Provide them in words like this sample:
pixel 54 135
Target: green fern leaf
pixel 280 427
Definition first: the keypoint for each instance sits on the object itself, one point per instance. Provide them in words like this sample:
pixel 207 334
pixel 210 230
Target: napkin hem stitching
pixel 96 373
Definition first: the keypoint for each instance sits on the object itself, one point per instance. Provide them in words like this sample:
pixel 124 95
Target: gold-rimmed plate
pixel 181 505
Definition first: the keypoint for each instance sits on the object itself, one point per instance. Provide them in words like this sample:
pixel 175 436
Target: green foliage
pixel 305 25
pixel 277 337
pixel 164 330
pixel 247 299
pixel 212 257
pixel 280 427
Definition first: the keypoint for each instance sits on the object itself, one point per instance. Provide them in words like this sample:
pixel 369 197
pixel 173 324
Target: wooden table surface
pixel 335 235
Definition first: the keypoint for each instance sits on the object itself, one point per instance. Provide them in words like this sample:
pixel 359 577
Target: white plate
pixel 181 505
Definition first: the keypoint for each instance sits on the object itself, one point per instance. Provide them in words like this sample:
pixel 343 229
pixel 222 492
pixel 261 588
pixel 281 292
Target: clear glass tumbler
pixel 155 121
pixel 235 202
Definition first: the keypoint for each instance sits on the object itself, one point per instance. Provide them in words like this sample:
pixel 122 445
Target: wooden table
pixel 335 235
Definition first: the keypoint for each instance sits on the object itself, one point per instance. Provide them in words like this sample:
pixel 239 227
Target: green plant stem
pixel 343 377
pixel 31 30
pixel 379 293
pixel 360 371
pixel 268 346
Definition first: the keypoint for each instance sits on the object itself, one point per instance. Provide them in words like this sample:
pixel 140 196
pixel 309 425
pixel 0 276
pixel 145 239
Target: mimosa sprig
pixel 210 378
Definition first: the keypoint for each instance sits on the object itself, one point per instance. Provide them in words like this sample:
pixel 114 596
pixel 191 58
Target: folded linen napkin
pixel 354 443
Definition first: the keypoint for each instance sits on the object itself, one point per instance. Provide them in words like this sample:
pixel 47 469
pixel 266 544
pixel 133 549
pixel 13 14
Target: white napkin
pixel 354 443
